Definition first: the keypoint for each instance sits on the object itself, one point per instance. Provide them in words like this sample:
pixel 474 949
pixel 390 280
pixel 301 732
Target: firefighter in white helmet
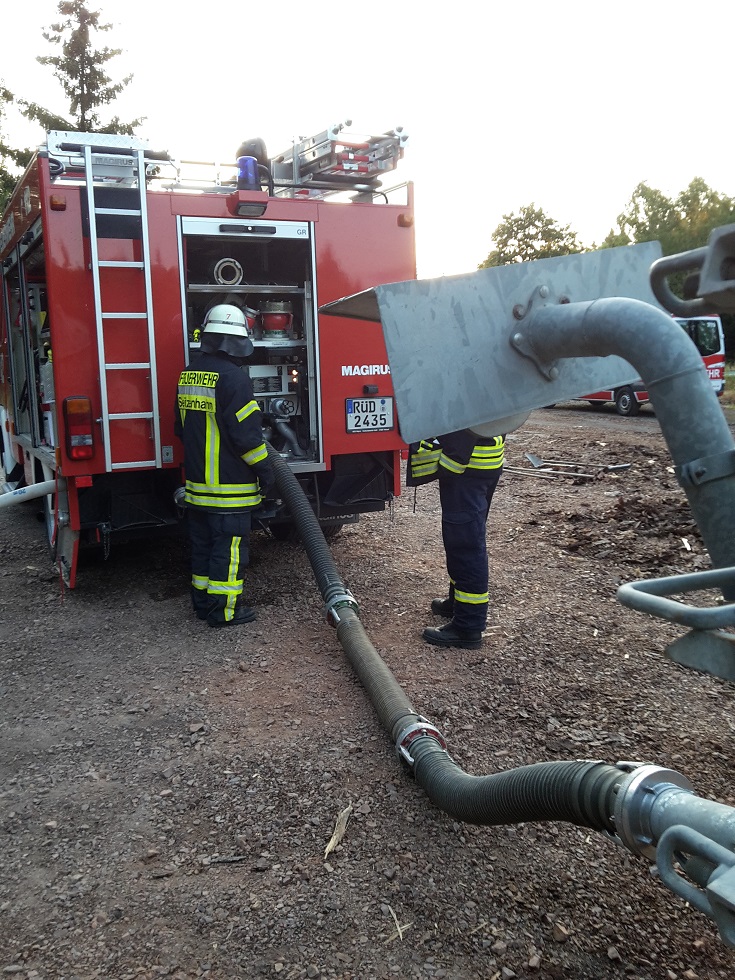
pixel 226 464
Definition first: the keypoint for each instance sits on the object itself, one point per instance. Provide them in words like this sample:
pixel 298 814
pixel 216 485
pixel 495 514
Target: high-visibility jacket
pixel 466 452
pixel 454 454
pixel 220 424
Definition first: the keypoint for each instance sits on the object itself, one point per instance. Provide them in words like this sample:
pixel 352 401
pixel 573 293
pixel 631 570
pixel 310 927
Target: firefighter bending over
pixel 226 463
pixel 468 468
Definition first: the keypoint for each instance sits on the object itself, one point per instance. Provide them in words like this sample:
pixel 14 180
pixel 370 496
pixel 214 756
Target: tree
pixel 11 160
pixel 7 180
pixel 530 234
pixel 80 70
pixel 680 224
pixel 700 210
pixel 649 216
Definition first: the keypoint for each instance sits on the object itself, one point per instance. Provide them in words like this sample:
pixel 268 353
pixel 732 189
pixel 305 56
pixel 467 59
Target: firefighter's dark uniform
pixel 468 468
pixel 226 465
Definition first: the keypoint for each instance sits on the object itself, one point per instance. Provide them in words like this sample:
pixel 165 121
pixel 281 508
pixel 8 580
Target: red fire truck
pixel 111 255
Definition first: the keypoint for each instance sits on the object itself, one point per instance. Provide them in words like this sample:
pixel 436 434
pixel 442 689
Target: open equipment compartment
pixel 264 267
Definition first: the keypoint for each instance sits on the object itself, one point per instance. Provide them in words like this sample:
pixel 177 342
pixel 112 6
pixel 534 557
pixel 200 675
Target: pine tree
pixel 80 68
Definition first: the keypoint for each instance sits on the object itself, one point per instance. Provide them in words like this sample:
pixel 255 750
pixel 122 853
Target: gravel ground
pixel 169 790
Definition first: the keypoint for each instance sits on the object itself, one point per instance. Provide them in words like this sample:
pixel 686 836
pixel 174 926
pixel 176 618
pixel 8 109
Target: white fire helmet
pixel 226 330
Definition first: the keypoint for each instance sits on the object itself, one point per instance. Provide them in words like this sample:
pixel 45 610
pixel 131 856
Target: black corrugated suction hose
pixel 579 792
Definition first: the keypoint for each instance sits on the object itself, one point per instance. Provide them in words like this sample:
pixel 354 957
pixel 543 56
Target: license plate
pixel 369 414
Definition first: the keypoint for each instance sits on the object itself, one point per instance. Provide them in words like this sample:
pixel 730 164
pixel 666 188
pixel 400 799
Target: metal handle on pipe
pixel 648 596
pixel 717 901
pixel 667 266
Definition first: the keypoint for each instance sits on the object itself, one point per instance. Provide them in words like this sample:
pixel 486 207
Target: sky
pixel 566 104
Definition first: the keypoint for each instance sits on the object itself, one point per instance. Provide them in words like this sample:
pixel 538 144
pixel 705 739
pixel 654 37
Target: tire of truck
pixel 625 402
pixel 331 530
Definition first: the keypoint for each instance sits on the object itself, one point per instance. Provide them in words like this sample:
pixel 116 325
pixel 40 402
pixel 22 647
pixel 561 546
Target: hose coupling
pixel 342 600
pixel 420 728
pixel 646 790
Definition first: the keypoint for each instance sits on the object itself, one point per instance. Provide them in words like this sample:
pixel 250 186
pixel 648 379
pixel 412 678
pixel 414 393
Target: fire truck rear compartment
pixel 261 269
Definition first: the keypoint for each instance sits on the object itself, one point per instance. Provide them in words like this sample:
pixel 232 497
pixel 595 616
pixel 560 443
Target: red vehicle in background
pixel 111 254
pixel 706 333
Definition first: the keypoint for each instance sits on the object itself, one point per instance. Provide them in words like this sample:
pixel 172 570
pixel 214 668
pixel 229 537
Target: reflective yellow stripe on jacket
pixel 425 459
pixel 222 495
pixel 488 457
pixel 246 410
pixel 484 457
pixel 256 455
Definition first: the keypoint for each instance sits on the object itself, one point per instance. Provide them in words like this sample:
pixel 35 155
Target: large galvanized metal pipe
pixel 691 420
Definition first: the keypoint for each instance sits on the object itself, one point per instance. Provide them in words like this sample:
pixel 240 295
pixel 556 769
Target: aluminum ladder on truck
pixel 129 160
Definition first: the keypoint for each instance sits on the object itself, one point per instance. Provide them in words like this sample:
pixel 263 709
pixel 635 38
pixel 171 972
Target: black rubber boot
pixel 450 636
pixel 443 607
pixel 201 603
pixel 243 614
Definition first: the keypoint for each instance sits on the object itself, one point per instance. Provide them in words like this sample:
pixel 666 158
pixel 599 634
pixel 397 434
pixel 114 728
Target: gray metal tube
pixel 686 406
pixel 290 436
pixel 677 807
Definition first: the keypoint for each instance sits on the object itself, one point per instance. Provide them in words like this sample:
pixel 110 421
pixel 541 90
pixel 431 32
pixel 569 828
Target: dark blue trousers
pixel 219 557
pixel 465 502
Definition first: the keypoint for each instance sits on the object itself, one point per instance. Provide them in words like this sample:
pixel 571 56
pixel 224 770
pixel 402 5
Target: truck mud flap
pixel 360 480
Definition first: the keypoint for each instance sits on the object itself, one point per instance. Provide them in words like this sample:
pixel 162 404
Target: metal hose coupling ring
pixel 228 272
pixel 644 790
pixel 342 600
pixel 421 727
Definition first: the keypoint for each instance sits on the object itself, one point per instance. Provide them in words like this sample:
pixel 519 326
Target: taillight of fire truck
pixel 78 426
